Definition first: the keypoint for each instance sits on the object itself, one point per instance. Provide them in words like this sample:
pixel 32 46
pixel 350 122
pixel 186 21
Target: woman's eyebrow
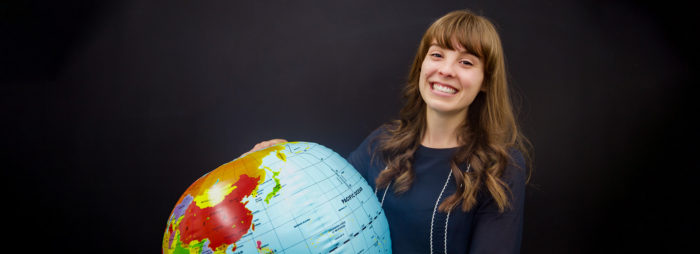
pixel 436 45
pixel 461 51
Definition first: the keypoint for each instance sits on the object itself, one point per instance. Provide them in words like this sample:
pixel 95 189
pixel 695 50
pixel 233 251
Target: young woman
pixel 450 173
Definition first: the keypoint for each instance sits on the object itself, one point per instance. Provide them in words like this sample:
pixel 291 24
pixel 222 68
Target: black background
pixel 111 109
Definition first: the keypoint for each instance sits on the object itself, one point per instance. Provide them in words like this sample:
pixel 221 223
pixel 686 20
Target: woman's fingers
pixel 266 144
pixel 277 141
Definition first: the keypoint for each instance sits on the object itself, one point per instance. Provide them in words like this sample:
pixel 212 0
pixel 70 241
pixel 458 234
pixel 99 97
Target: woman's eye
pixel 436 54
pixel 467 63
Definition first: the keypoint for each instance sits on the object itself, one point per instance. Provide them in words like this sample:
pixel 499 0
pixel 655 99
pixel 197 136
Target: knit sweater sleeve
pixel 495 232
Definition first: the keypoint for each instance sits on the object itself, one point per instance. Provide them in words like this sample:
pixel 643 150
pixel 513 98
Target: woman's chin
pixel 442 109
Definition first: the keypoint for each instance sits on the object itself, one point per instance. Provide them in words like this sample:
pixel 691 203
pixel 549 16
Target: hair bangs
pixel 464 30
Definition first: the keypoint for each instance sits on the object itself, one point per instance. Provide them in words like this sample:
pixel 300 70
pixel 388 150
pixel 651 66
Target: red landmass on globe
pixel 226 222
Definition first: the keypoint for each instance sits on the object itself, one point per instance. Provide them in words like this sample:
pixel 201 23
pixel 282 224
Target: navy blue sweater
pixel 481 230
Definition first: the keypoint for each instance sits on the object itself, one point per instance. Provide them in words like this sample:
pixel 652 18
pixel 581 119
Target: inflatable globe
pixel 290 198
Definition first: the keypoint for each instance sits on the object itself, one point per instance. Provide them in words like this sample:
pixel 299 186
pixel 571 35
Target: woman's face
pixel 450 79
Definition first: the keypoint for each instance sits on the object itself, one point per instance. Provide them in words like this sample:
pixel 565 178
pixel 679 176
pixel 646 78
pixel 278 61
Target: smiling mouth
pixel 443 88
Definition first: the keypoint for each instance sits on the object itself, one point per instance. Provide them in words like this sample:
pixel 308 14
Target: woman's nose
pixel 446 70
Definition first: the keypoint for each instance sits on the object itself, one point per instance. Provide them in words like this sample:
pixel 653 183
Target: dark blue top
pixel 481 230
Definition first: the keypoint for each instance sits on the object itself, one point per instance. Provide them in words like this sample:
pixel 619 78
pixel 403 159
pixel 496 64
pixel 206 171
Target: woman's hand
pixel 265 144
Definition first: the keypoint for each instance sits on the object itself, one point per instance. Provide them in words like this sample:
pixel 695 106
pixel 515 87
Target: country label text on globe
pixel 294 197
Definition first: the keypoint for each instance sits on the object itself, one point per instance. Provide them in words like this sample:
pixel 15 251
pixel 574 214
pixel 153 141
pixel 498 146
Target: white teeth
pixel 443 89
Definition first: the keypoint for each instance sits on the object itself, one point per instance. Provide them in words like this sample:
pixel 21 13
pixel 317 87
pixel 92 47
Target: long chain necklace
pixel 432 219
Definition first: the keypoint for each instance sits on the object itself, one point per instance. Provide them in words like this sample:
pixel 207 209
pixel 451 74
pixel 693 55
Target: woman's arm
pixel 495 232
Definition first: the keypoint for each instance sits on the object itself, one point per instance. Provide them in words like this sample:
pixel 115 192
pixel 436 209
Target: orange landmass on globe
pixel 217 213
pixel 248 164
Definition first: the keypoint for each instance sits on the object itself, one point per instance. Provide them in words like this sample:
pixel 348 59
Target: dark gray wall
pixel 110 110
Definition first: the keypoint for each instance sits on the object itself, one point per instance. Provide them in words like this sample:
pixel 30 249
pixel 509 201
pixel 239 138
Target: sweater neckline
pixel 436 152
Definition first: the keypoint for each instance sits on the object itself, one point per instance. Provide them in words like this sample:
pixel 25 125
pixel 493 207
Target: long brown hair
pixel 489 130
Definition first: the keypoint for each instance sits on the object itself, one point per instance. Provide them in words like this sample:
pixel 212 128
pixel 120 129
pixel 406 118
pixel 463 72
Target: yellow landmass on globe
pixel 281 155
pixel 213 196
pixel 221 249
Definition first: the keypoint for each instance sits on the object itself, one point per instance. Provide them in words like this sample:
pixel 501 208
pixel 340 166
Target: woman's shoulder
pixel 363 157
pixel 377 136
pixel 370 143
pixel 379 131
pixel 384 129
pixel 516 157
pixel 516 170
